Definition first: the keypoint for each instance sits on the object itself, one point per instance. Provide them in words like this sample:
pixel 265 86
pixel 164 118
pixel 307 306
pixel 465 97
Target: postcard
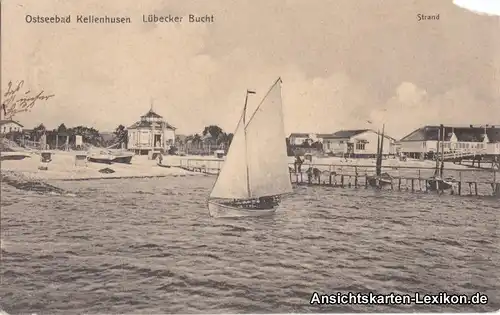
pixel 283 156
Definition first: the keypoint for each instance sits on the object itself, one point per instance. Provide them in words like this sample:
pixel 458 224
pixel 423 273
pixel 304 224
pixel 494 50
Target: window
pixel 360 146
pixel 10 129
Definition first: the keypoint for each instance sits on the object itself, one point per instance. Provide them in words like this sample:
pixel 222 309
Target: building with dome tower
pixel 150 134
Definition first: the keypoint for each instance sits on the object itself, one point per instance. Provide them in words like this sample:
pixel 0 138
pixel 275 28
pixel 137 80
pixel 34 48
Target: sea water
pixel 149 246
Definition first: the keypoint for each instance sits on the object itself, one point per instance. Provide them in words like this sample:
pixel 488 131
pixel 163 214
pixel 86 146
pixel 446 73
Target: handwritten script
pixel 16 101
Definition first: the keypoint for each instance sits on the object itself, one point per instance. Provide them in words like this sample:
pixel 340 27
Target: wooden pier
pixel 404 178
pixel 466 181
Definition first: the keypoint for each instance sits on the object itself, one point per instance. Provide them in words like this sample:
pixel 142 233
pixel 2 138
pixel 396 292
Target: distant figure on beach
pixel 298 163
pixel 160 158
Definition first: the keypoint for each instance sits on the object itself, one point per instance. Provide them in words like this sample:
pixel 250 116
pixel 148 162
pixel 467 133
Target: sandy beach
pixel 62 167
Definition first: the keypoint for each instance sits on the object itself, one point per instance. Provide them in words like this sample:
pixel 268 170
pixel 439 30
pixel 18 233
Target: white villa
pixel 482 140
pixel 9 125
pixel 150 134
pixel 357 143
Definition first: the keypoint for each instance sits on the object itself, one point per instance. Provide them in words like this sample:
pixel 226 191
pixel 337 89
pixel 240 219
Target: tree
pixel 62 129
pixel 229 139
pixel 178 140
pixel 89 135
pixel 196 138
pixel 212 130
pixel 37 132
pixel 121 134
pixel 317 145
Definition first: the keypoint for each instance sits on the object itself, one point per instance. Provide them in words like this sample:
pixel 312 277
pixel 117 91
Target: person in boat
pixel 267 202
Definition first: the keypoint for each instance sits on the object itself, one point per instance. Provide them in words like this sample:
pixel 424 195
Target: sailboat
pixel 255 174
pixel 380 179
pixel 437 182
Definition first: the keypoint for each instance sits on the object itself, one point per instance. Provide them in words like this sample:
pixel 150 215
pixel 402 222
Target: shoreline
pixel 63 167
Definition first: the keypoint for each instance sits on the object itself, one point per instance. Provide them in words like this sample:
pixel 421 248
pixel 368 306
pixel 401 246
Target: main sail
pixel 232 180
pixel 266 147
pixel 256 163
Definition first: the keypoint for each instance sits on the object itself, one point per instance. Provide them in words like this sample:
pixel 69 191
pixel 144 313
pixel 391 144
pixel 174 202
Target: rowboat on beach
pixel 107 156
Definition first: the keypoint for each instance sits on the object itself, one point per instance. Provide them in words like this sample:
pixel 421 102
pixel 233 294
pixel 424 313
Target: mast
pixel 442 150
pixel 377 168
pixel 436 172
pixel 381 148
pixel 246 144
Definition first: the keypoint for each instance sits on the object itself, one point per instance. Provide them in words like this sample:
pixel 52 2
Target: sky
pixel 344 64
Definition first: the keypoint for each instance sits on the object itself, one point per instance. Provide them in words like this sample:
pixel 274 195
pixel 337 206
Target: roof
pixel 7 121
pixel 347 134
pixel 147 124
pixel 463 133
pixel 151 114
pixel 300 135
pixel 343 134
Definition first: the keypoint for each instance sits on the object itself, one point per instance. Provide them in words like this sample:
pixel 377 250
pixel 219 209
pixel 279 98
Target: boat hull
pixel 13 157
pixel 100 160
pixel 218 210
pixel 379 182
pixel 163 165
pixel 439 184
pixel 123 159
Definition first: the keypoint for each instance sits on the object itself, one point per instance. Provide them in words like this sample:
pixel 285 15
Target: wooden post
pixel 460 183
pixel 426 184
pixel 349 184
pixel 412 185
pixel 355 176
pixel 399 183
pixel 342 181
pixel 470 188
pixel 330 178
pixel 366 181
pixel 475 187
